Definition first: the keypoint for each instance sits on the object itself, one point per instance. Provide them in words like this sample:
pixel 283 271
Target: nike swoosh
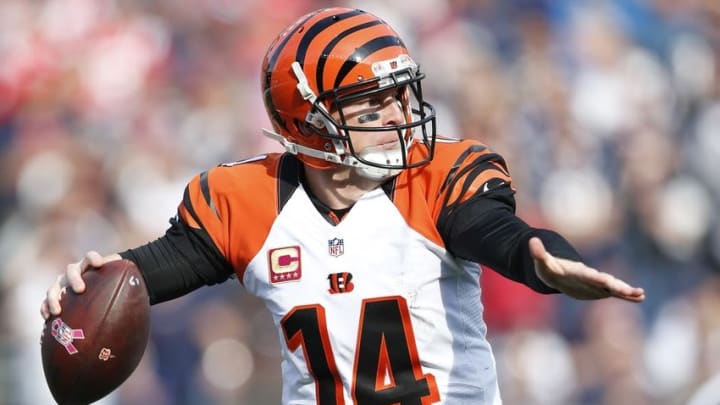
pixel 486 186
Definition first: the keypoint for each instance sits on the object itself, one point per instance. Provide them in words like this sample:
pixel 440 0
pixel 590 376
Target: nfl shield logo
pixel 336 247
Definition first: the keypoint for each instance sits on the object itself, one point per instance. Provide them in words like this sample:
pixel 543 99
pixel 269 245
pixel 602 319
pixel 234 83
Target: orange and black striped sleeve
pixel 190 254
pixel 221 223
pixel 477 220
pixel 186 257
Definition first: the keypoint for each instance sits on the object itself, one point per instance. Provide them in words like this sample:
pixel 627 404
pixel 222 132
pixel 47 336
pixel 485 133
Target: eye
pixel 369 117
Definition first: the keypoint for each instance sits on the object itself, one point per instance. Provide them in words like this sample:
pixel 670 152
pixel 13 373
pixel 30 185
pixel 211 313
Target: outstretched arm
pixel 486 230
pixel 577 280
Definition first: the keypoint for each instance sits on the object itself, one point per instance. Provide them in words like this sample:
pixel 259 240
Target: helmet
pixel 327 60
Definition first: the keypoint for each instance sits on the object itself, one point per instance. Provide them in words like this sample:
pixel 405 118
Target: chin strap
pixel 295 148
pixel 365 170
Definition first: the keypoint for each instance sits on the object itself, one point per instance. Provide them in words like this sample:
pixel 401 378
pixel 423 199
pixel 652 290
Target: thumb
pixel 537 249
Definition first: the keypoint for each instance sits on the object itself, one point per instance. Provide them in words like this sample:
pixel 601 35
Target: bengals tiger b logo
pixel 340 283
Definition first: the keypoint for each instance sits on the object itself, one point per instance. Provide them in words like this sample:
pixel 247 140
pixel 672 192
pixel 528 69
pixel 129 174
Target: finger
pixel 632 297
pixel 546 262
pixel 620 289
pixel 631 294
pixel 94 259
pixel 73 275
pixel 54 293
pixel 44 310
pixel 615 287
pixel 74 271
pixel 537 249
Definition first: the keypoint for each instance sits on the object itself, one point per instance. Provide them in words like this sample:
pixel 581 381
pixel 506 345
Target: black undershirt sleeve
pixel 179 262
pixel 486 230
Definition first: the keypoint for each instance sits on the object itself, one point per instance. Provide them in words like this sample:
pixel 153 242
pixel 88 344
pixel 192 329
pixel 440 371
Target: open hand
pixel 577 280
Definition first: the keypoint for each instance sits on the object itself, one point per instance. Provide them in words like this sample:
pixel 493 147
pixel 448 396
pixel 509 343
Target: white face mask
pixel 376 154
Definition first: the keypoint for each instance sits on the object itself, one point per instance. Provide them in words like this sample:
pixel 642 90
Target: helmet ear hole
pixel 304 128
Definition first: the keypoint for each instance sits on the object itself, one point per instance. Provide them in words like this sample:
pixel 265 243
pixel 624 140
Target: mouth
pixel 389 144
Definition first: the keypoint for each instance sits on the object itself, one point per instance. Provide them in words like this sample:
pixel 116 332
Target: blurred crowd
pixel 605 111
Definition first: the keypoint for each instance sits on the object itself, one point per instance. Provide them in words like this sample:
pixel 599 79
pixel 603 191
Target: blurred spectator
pixel 610 107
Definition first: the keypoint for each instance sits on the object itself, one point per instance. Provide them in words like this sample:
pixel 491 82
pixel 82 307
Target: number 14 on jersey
pixel 387 366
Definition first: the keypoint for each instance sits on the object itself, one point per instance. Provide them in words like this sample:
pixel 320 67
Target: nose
pixel 393 112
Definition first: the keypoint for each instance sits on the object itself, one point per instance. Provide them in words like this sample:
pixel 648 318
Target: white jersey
pixel 369 310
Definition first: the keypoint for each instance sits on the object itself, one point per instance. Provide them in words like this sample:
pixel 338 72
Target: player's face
pixel 377 110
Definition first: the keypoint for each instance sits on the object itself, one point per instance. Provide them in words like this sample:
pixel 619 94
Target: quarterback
pixel 365 238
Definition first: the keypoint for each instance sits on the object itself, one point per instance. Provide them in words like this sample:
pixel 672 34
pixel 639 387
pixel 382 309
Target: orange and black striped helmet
pixel 328 59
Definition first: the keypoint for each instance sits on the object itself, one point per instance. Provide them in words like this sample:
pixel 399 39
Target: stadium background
pixel 605 110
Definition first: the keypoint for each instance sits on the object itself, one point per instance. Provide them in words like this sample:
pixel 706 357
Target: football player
pixel 364 238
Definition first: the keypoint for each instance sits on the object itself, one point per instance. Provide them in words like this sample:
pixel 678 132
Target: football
pixel 99 338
